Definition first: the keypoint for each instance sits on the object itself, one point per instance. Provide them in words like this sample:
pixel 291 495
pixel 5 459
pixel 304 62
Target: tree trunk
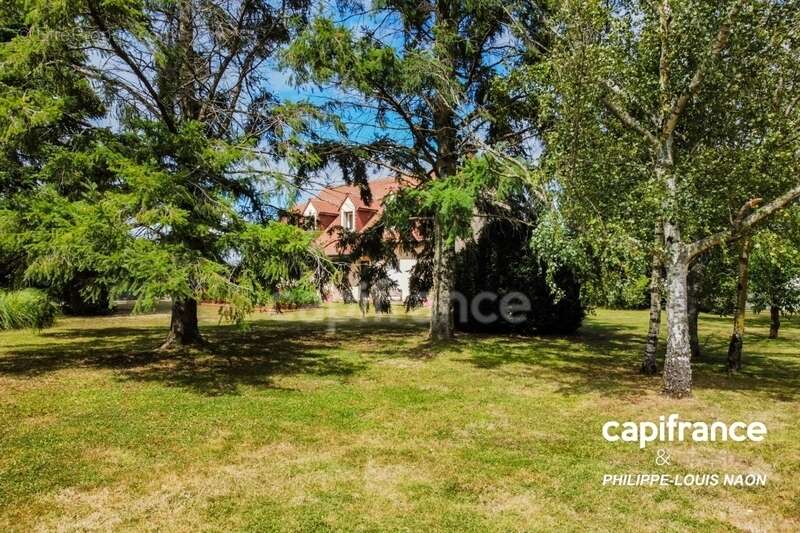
pixel 441 314
pixel 649 360
pixel 183 328
pixel 775 321
pixel 448 152
pixel 677 362
pixel 678 359
pixel 692 309
pixel 737 337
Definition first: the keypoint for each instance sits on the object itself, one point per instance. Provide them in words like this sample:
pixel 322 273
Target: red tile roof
pixel 330 199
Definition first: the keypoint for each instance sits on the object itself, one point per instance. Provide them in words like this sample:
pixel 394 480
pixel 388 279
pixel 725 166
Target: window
pixel 348 220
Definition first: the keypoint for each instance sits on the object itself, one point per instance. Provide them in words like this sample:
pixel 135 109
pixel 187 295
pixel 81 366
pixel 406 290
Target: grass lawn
pixel 304 423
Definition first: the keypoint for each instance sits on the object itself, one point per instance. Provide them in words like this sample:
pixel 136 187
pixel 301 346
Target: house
pixel 338 207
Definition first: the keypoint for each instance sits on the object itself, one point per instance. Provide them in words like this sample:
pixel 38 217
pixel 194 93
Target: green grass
pixel 304 423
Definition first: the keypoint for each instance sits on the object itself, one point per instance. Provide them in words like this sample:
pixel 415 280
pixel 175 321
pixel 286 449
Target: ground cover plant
pixel 320 420
pixel 28 308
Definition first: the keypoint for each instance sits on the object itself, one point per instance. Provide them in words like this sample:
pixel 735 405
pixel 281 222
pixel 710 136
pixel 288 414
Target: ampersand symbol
pixel 662 458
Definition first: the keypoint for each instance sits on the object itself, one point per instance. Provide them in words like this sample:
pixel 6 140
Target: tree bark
pixel 692 309
pixel 441 313
pixel 775 321
pixel 183 328
pixel 678 358
pixel 649 359
pixel 737 337
pixel 677 362
pixel 446 165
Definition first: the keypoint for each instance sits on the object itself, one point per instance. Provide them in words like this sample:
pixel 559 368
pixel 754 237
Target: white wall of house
pixel 403 276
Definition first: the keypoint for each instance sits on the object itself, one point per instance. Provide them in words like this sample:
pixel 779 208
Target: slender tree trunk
pixel 677 362
pixel 737 337
pixel 678 358
pixel 183 328
pixel 649 359
pixel 775 321
pixel 692 309
pixel 441 314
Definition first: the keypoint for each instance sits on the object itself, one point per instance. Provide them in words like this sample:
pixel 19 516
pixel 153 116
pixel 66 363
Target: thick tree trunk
pixel 183 328
pixel 441 313
pixel 693 310
pixel 737 337
pixel 677 363
pixel 775 321
pixel 649 359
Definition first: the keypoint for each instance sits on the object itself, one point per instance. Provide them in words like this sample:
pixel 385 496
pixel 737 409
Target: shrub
pixel 502 262
pixel 631 294
pixel 299 295
pixel 28 308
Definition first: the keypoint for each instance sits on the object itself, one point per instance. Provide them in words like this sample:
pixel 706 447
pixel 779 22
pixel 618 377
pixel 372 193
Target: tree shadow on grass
pixel 770 367
pixel 231 359
pixel 605 357
pixel 598 358
pixel 602 357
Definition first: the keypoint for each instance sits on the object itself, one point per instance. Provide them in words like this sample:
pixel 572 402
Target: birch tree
pixel 708 95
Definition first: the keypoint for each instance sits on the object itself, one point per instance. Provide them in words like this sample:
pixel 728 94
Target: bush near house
pixel 27 308
pixel 300 295
pixel 75 300
pixel 501 262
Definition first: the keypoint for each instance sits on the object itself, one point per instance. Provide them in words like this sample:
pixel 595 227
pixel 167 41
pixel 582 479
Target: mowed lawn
pixel 322 420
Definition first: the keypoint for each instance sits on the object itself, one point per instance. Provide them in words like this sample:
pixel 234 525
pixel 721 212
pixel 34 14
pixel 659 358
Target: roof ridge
pixel 369 182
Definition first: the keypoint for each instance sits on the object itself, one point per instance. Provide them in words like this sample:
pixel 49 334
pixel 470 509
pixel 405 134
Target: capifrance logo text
pixel 672 429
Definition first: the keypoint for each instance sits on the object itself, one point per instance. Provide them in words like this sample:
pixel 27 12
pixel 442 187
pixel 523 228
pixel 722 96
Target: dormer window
pixel 311 215
pixel 348 214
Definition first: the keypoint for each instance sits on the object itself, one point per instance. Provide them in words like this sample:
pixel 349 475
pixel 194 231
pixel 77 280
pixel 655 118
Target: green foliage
pixel 109 236
pixel 301 294
pixel 44 105
pixel 419 91
pixel 453 199
pixel 631 294
pixel 775 273
pixel 175 202
pixel 604 108
pixel 482 183
pixel 27 308
pixel 719 279
pixel 608 262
